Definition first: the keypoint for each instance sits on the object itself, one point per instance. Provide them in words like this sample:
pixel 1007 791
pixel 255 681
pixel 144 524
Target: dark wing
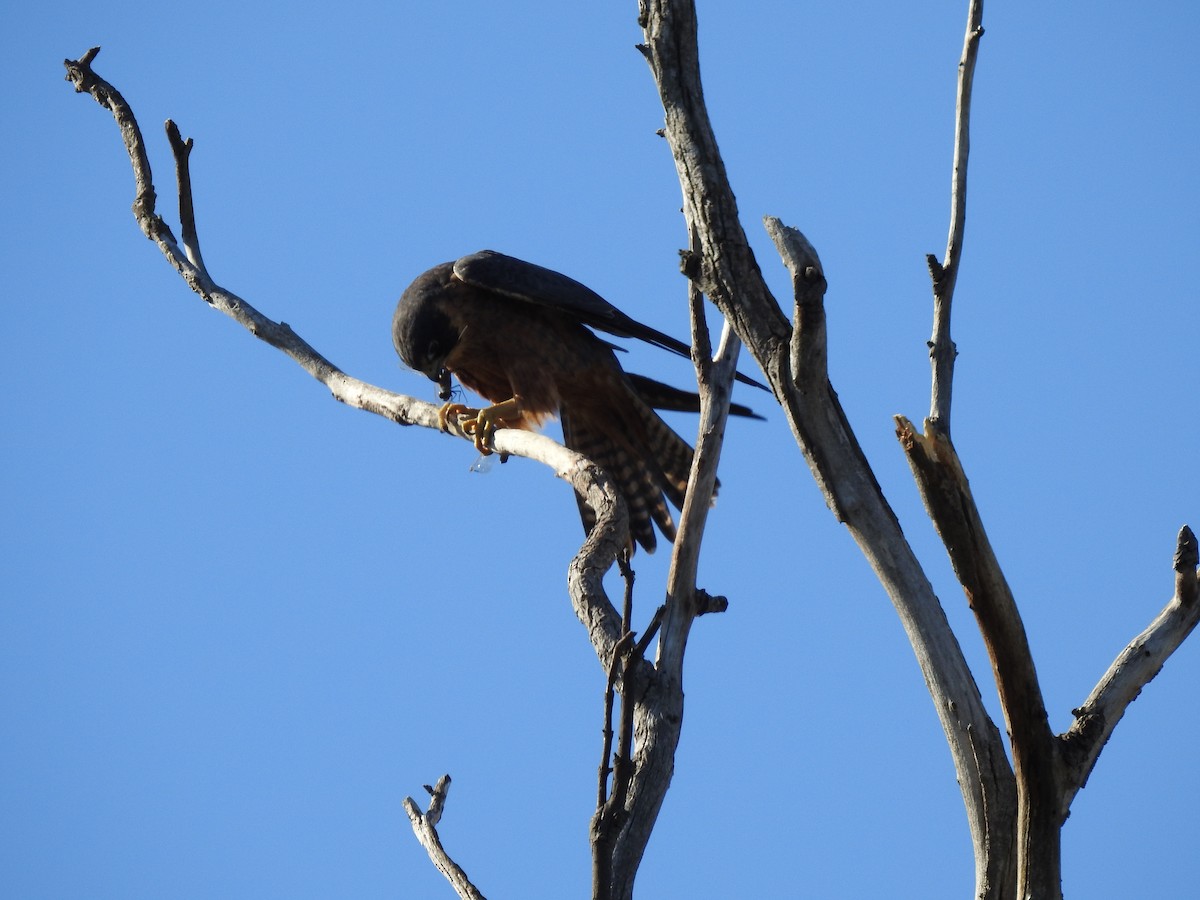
pixel 531 283
pixel 663 396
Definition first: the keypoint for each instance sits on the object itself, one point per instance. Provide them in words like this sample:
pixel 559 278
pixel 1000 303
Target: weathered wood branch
pixel 948 500
pixel 944 274
pixel 809 348
pixel 1131 671
pixel 400 409
pixel 610 805
pixel 794 365
pixel 607 539
pixel 658 714
pixel 425 828
pixel 1049 769
pixel 985 776
pixel 658 709
pixel 1036 764
pixel 721 262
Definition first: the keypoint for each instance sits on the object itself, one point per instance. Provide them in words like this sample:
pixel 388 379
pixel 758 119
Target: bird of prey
pixel 520 336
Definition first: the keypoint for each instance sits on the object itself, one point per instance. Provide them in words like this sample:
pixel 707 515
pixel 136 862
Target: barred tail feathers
pixel 646 458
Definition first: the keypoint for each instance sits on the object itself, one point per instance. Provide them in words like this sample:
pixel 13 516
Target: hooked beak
pixel 442 377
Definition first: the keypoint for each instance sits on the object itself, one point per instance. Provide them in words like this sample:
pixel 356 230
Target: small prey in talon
pixel 520 336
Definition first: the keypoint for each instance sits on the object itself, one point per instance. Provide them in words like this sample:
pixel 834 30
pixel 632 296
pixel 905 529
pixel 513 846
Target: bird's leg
pixel 481 423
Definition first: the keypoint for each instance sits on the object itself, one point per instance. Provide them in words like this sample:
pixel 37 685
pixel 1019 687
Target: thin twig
pixel 639 649
pixel 80 74
pixel 614 668
pixel 689 265
pixel 623 764
pixel 628 576
pixel 607 733
pixel 715 376
pixel 942 351
pixel 809 346
pixel 610 814
pixel 425 828
pixel 182 151
pixel 1132 670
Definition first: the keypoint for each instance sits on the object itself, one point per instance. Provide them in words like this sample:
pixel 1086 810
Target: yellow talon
pixel 452 412
pixel 480 423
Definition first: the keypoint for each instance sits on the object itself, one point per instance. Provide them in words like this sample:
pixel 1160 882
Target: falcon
pixel 519 335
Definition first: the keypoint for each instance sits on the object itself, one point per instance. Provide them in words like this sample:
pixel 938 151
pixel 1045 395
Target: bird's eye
pixel 432 351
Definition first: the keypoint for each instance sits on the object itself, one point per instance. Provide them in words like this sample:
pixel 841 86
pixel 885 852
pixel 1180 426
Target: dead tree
pixel 1015 811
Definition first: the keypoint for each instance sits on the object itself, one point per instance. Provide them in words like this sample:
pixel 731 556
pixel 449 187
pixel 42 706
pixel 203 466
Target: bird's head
pixel 422 331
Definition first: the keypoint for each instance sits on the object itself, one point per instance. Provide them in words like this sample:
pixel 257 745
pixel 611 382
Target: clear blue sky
pixel 241 622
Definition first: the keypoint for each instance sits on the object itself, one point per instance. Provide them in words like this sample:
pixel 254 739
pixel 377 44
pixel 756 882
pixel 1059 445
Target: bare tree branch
pixel 942 351
pixel 951 507
pixel 1131 671
pixel 1049 770
pixel 729 275
pixel 659 710
pixel 628 662
pixel 611 813
pixel 715 379
pixel 610 692
pixel 182 151
pixel 722 263
pixel 425 828
pixel 610 807
pixel 984 775
pixel 809 349
pixel 607 539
